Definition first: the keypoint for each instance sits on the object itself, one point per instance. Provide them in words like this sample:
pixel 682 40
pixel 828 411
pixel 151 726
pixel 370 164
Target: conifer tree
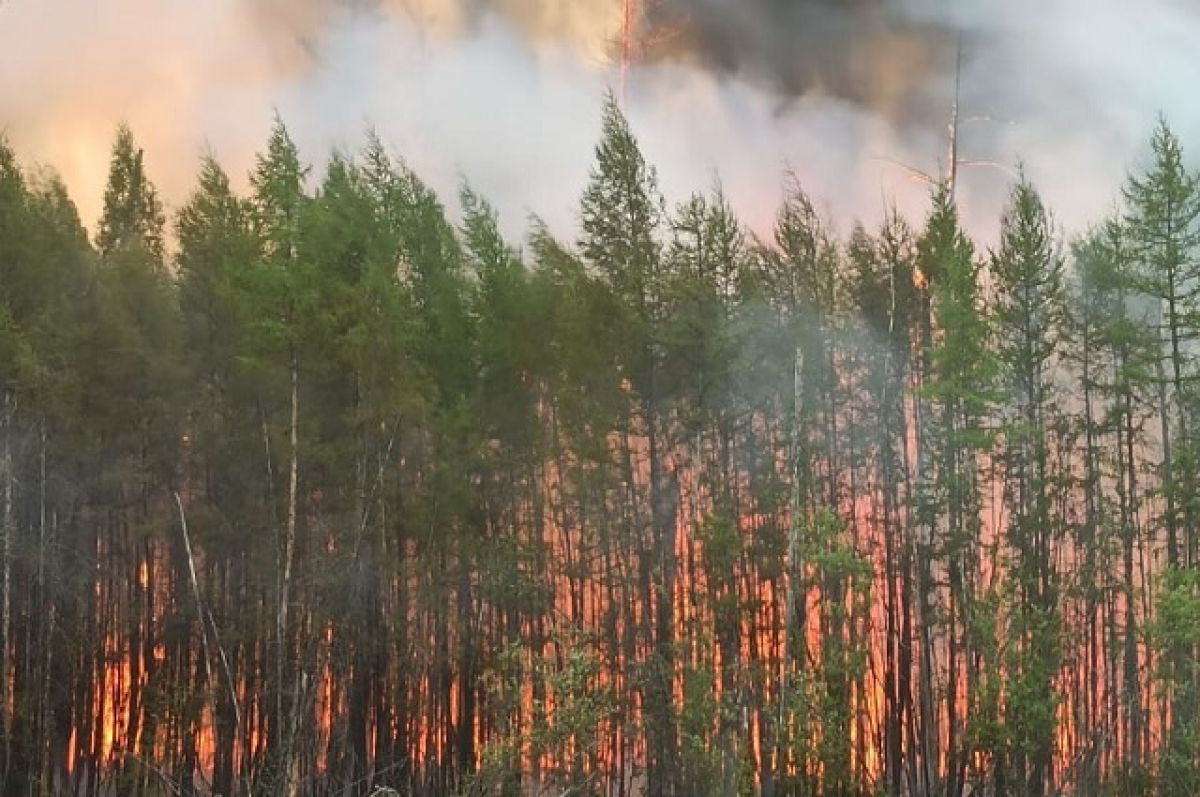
pixel 279 202
pixel 1027 272
pixel 1162 223
pixel 132 213
pixel 621 218
pixel 953 437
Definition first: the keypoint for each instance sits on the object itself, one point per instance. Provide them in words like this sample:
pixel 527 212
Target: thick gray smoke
pixel 872 52
pixel 507 93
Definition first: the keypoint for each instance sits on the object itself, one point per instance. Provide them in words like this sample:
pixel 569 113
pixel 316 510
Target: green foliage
pixel 1163 207
pixel 133 215
pixel 814 726
pixel 963 368
pixel 568 729
pixel 1175 629
pixel 621 213
pixel 670 507
pixel 1028 273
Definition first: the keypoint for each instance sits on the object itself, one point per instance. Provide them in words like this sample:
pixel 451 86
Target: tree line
pixel 326 490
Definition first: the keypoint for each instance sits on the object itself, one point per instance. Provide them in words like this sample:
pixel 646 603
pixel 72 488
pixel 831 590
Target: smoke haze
pixel 506 93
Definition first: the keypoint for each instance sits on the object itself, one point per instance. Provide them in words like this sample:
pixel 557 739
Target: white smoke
pixel 509 98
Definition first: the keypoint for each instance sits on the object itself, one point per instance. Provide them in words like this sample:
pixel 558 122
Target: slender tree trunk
pixel 8 529
pixel 287 705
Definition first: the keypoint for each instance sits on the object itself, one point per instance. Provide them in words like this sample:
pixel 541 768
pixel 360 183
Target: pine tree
pixel 1122 384
pixel 1163 233
pixel 16 353
pixel 282 285
pixel 802 275
pixel 886 298
pixel 621 217
pixel 217 250
pixel 132 213
pixel 1027 277
pixel 708 258
pixel 1163 228
pixel 131 356
pixel 953 437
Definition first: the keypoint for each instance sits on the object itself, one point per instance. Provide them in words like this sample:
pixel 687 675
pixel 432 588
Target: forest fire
pixel 313 484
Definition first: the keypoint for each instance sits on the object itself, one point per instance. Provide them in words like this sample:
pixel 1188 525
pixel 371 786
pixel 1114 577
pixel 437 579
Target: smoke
pixel 506 93
pixel 867 51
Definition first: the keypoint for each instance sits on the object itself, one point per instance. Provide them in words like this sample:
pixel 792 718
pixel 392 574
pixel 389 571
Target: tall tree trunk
pixel 8 530
pixel 287 700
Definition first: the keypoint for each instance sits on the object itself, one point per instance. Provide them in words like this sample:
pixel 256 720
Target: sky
pixel 851 96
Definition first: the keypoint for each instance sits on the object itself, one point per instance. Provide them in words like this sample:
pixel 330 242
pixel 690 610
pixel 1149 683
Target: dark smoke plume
pixel 507 92
pixel 868 51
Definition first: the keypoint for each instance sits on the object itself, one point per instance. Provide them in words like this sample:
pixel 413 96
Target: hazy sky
pixel 507 92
